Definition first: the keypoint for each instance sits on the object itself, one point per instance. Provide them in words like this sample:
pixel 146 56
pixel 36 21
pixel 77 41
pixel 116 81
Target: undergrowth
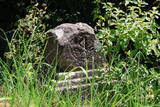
pixel 129 82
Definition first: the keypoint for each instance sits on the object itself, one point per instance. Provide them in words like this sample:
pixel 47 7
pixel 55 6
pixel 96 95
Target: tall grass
pixel 134 86
pixel 25 82
pixel 20 77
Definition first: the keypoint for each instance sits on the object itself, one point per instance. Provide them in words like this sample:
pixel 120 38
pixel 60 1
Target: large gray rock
pixel 72 45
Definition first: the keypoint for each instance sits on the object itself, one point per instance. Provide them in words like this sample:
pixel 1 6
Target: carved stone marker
pixel 72 45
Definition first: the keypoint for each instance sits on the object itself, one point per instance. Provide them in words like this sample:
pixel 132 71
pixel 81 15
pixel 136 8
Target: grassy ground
pixel 136 86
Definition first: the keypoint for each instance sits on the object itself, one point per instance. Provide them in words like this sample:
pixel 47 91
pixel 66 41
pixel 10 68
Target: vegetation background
pixel 129 33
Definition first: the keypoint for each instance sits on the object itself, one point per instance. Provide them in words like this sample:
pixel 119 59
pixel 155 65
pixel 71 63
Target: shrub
pixel 129 31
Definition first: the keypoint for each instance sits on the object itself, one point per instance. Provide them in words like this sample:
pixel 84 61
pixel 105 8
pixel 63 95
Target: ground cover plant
pixel 130 44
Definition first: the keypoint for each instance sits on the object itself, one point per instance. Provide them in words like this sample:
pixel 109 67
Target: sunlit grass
pixel 27 82
pixel 136 86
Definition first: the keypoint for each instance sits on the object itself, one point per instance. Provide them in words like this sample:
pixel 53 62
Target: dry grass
pixel 1 90
pixel 4 104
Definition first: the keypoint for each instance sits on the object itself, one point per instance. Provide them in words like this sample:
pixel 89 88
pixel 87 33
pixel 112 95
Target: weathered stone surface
pixel 74 81
pixel 79 80
pixel 72 45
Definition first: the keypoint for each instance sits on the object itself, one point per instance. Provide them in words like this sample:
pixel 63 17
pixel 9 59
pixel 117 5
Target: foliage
pixel 136 85
pixel 129 31
pixel 128 36
pixel 28 42
pixel 127 84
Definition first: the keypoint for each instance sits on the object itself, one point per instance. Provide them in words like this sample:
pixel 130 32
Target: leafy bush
pixel 129 30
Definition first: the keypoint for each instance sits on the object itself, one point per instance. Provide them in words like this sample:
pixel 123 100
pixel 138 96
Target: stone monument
pixel 72 45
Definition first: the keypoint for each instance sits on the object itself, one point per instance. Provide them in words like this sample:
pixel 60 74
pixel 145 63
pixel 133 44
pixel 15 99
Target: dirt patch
pixel 4 104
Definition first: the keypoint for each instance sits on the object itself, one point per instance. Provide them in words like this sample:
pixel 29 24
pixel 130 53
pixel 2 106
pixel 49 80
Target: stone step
pixel 80 79
pixel 76 81
pixel 78 74
pixel 78 87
